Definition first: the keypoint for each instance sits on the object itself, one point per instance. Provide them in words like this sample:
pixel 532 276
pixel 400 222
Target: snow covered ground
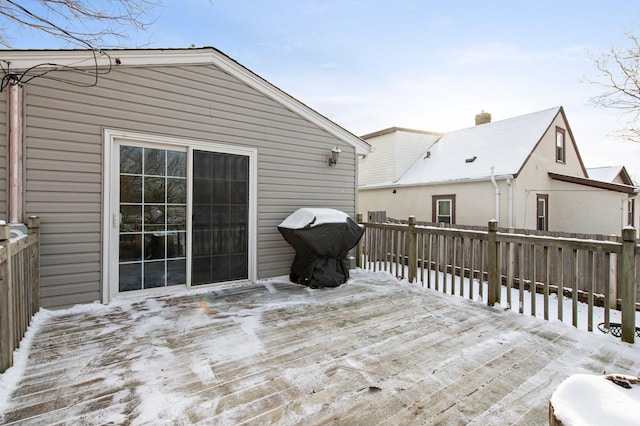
pixel 515 302
pixel 372 350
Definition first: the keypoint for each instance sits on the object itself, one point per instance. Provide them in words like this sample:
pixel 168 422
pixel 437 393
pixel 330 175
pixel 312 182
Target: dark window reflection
pixel 154 274
pixel 131 160
pixel 155 162
pixel 176 191
pixel 154 190
pixel 220 219
pixel 130 218
pixel 154 218
pixel 130 189
pixel 130 247
pixel 130 277
pixel 176 163
pixel 154 246
pixel 176 272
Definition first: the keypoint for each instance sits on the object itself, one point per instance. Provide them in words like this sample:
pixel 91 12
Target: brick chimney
pixel 483 118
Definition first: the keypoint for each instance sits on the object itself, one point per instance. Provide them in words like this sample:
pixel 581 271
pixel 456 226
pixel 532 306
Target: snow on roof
pixel 604 174
pixel 310 217
pixel 470 153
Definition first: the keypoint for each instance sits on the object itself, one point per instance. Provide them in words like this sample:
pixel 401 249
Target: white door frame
pixel 111 198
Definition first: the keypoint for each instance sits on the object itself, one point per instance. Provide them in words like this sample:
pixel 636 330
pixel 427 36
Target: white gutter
pixel 15 153
pixel 495 185
pixel 392 185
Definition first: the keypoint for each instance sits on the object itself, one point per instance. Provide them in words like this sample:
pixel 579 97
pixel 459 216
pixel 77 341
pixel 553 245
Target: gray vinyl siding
pixel 4 139
pixel 64 161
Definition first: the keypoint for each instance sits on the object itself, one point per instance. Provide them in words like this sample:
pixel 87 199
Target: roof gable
pixel 471 153
pixel 569 133
pixel 610 174
pixel 51 59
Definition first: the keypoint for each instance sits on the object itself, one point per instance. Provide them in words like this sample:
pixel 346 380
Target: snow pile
pixel 10 379
pixel 598 400
pixel 310 217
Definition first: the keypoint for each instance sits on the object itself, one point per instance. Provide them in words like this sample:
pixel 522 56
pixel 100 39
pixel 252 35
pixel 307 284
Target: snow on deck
pixel 373 351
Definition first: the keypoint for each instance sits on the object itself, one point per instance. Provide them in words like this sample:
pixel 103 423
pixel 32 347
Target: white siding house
pixel 394 150
pixel 525 171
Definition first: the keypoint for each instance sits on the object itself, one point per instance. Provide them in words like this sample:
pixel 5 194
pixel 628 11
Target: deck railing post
pixel 493 274
pixel 412 263
pixel 359 260
pixel 33 225
pixel 613 276
pixel 6 301
pixel 628 284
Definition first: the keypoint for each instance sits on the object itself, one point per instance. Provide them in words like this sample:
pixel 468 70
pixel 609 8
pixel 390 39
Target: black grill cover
pixel 322 239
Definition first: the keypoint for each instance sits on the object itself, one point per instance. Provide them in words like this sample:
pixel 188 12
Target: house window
pixel 542 212
pixel 631 211
pixel 443 209
pixel 560 146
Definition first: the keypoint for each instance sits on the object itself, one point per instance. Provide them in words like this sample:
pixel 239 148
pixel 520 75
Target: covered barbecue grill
pixel 322 239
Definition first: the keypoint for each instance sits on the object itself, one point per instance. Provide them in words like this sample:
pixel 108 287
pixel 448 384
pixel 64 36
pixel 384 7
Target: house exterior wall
pixel 582 209
pixel 475 201
pixel 379 166
pixel 409 147
pixel 64 131
pixel 392 156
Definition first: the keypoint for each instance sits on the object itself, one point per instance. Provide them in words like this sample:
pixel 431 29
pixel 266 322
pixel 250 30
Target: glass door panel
pixel 220 217
pixel 153 226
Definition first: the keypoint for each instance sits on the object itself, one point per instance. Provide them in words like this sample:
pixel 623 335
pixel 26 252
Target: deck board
pixel 371 352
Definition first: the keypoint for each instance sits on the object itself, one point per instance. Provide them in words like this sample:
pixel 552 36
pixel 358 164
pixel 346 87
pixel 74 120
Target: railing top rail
pixel 573 243
pixel 566 242
pixel 463 233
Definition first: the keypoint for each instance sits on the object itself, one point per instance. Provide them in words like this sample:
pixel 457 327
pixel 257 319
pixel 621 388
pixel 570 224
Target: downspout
pixel 15 152
pixel 510 204
pixel 495 185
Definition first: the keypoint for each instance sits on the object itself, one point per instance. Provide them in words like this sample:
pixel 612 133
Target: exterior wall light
pixel 335 153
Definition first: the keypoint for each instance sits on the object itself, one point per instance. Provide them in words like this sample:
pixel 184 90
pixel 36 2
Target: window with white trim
pixel 560 145
pixel 542 212
pixel 443 209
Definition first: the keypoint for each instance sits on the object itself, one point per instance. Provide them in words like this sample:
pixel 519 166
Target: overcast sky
pixel 429 65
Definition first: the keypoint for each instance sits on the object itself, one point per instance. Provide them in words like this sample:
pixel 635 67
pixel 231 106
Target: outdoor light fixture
pixel 335 153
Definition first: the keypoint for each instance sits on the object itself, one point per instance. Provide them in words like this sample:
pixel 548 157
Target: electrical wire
pixel 26 75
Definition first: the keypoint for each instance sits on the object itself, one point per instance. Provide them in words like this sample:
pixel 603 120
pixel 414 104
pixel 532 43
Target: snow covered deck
pixel 373 351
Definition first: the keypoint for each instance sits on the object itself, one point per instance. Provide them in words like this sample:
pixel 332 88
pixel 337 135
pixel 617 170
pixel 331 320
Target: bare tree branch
pixel 619 79
pixel 85 23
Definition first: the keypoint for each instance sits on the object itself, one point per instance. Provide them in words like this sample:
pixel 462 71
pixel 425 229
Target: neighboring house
pixel 159 167
pixel 620 175
pixel 525 171
pixel 394 151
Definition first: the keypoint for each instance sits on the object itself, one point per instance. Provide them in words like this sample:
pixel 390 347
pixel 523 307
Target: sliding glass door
pixel 167 236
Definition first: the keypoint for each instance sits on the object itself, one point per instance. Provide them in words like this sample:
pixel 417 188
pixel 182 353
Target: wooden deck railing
pixel 19 287
pixel 459 261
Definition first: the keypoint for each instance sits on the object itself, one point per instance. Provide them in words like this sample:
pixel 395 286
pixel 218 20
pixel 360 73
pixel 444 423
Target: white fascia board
pixel 20 60
pixel 444 182
pixel 24 59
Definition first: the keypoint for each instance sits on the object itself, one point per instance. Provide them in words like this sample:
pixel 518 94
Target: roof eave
pixel 627 189
pixel 25 59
